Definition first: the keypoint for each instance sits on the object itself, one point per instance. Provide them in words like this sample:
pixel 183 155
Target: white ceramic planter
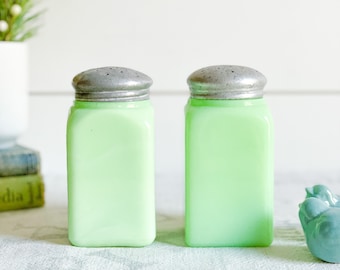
pixel 13 92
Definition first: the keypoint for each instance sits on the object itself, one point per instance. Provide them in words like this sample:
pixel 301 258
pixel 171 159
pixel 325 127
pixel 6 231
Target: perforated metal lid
pixel 111 84
pixel 226 82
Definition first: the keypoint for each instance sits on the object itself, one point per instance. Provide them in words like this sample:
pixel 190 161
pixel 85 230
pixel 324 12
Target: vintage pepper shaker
pixel 229 159
pixel 110 159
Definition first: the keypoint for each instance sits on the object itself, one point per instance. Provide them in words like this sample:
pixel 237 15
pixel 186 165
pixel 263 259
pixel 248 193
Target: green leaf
pixel 22 26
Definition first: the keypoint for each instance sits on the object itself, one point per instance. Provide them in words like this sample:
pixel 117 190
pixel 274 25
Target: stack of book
pixel 21 184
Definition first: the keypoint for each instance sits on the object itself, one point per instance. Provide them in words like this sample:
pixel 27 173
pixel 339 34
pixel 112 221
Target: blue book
pixel 19 160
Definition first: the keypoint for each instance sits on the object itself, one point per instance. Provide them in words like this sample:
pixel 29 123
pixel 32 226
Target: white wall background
pixel 295 43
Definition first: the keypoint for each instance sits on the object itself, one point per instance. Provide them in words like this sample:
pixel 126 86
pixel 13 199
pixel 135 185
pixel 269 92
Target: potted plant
pixel 17 24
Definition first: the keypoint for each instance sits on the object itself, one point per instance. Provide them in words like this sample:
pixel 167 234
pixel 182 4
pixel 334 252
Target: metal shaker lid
pixel 226 82
pixel 111 84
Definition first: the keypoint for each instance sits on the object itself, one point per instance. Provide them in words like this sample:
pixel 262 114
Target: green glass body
pixel 110 166
pixel 229 173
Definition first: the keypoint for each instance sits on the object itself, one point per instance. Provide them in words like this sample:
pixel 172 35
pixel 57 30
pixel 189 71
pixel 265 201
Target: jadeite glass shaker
pixel 228 159
pixel 110 159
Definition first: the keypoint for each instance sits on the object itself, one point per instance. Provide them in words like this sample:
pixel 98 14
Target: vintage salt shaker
pixel 229 159
pixel 110 159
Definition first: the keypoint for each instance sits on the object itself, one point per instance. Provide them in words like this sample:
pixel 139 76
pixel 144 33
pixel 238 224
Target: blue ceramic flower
pixel 320 219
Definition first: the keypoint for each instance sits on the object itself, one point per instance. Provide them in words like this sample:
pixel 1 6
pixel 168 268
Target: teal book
pixel 19 160
pixel 19 192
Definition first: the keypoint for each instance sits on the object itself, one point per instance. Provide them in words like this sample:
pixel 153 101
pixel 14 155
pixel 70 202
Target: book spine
pixel 21 192
pixel 19 164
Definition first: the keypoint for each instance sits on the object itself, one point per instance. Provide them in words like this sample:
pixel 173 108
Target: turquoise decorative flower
pixel 320 219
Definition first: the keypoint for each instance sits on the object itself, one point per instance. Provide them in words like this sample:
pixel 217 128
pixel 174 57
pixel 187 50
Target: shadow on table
pixel 289 242
pixel 289 253
pixel 50 225
pixel 289 245
pixel 38 224
pixel 170 229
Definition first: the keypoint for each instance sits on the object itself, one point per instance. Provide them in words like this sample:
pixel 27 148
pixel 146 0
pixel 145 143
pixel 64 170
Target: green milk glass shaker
pixel 110 159
pixel 229 159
